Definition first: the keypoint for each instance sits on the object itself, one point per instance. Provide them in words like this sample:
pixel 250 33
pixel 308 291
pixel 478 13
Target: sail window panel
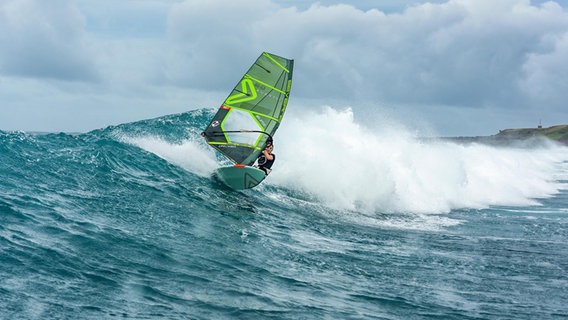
pixel 239 120
pixel 245 138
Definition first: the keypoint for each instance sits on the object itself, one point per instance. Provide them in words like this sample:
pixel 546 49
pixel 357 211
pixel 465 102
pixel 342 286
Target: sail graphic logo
pixel 248 93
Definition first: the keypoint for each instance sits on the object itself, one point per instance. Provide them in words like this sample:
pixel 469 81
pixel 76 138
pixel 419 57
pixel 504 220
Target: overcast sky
pixel 457 67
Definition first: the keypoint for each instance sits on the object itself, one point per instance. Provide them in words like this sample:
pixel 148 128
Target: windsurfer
pixel 266 159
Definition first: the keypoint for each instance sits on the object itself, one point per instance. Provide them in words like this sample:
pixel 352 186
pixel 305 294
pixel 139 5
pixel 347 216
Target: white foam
pixel 190 155
pixel 348 166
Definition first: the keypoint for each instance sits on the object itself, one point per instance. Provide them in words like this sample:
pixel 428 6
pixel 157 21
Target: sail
pixel 253 111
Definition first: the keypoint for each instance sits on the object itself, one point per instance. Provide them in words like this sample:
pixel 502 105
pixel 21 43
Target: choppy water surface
pixel 127 222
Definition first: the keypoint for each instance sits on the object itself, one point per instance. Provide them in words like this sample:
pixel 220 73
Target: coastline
pixel 530 137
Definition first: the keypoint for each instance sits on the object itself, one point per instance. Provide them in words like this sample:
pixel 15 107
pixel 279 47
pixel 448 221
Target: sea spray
pixel 344 165
pixel 387 169
pixel 190 154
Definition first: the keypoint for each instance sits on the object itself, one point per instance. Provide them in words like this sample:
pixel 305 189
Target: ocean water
pixel 353 223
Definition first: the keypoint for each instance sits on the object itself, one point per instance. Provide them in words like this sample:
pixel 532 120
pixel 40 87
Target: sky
pixel 449 68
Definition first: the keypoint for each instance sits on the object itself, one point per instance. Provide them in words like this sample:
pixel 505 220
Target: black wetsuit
pixel 264 164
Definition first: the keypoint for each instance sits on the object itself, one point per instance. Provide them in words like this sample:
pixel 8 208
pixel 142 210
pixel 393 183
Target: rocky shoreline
pixel 525 136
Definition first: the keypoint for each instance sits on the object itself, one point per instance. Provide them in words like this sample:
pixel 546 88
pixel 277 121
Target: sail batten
pixel 252 112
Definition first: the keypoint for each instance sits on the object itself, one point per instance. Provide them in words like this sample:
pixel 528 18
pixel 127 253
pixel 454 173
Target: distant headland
pixel 531 136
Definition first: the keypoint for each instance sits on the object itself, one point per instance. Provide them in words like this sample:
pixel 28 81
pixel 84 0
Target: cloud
pixel 461 53
pixel 439 61
pixel 209 38
pixel 546 75
pixel 44 39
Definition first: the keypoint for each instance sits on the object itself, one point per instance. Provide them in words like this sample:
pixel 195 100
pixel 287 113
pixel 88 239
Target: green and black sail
pixel 251 114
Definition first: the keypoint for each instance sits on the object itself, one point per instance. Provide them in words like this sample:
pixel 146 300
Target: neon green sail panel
pixel 253 111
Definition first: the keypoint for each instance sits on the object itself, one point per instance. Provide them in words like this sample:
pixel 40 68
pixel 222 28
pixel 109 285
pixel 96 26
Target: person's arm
pixel 267 155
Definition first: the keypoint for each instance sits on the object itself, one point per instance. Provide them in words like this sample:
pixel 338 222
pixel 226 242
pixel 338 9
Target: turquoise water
pixel 126 222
